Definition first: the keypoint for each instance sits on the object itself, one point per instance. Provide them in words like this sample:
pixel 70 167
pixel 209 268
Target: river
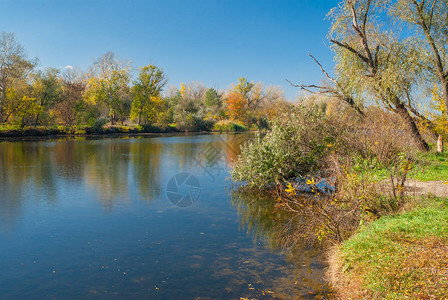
pixel 141 217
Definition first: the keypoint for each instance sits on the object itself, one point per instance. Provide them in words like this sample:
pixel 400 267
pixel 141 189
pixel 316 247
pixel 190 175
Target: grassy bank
pixel 392 244
pixel 428 166
pixel 432 166
pixel 39 131
pixel 12 131
pixel 402 255
pixel 396 257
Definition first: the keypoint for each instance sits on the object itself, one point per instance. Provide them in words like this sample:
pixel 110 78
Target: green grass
pixel 431 166
pixel 401 256
pixel 15 131
pixel 229 126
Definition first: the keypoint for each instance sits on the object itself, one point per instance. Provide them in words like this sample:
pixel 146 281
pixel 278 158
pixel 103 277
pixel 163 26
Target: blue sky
pixel 211 41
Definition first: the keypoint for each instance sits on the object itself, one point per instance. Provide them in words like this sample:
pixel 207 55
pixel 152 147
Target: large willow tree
pixel 374 60
pixel 428 21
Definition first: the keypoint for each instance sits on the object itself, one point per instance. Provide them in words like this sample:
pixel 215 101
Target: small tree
pixel 212 98
pixel 108 83
pixel 236 105
pixel 14 67
pixel 47 90
pixel 146 91
pixel 73 89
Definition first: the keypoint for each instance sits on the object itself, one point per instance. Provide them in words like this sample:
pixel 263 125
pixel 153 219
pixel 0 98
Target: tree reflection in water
pixel 260 217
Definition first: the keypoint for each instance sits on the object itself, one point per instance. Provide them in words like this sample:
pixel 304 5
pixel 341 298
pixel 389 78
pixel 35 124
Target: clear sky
pixel 211 41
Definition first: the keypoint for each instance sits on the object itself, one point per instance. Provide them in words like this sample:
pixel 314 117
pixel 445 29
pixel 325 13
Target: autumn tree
pixel 193 91
pixel 244 88
pixel 13 66
pixel 73 88
pixel 273 103
pixel 20 108
pixel 108 85
pixel 47 90
pixel 236 105
pixel 147 93
pixel 189 110
pixel 429 18
pixel 374 60
pixel 439 119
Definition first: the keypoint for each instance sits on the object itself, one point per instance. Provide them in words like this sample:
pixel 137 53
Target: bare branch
pixel 364 20
pixel 431 14
pixel 310 86
pixel 323 70
pixel 362 33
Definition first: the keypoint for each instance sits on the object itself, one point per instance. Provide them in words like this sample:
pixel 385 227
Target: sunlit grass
pixel 432 166
pixel 401 256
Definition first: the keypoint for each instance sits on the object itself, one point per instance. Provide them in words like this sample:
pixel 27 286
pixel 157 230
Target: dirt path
pixel 437 188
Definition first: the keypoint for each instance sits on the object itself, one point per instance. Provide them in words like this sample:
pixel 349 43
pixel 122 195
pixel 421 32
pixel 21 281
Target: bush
pixel 354 154
pixel 295 146
pixel 147 128
pixel 98 125
pixel 193 122
pixel 228 126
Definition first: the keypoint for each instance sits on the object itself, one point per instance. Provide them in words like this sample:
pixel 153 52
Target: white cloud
pixel 68 67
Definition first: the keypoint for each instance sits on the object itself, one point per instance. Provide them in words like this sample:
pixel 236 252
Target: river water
pixel 145 217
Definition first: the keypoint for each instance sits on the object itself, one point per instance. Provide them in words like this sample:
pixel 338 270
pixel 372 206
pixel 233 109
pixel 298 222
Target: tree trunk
pixel 445 100
pixel 37 120
pixel 140 116
pixel 401 110
pixel 428 123
pixel 440 144
pixel 1 104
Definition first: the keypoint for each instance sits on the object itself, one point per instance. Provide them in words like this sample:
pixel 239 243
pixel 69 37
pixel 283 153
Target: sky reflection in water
pixel 91 218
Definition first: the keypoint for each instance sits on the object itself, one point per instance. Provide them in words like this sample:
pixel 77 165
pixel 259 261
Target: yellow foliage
pixel 438 104
pixel 236 106
pixel 182 89
pixel 290 190
pixel 310 182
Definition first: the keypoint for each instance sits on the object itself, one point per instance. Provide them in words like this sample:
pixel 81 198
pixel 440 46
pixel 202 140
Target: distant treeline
pixel 109 93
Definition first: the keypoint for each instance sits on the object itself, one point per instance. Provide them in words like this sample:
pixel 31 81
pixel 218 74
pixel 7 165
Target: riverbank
pixel 402 255
pixel 380 176
pixel 11 132
pixel 397 256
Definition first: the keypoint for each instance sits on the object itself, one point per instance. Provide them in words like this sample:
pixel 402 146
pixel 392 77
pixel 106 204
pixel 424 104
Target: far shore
pixel 43 133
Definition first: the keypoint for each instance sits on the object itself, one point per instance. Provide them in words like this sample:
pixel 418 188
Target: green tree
pixel 13 65
pixel 430 21
pixel 244 88
pixel 146 91
pixel 212 98
pixel 109 84
pixel 27 107
pixel 374 60
pixel 47 90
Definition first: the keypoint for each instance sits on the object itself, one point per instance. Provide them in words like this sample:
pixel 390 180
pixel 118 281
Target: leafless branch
pixel 307 88
pixel 323 70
